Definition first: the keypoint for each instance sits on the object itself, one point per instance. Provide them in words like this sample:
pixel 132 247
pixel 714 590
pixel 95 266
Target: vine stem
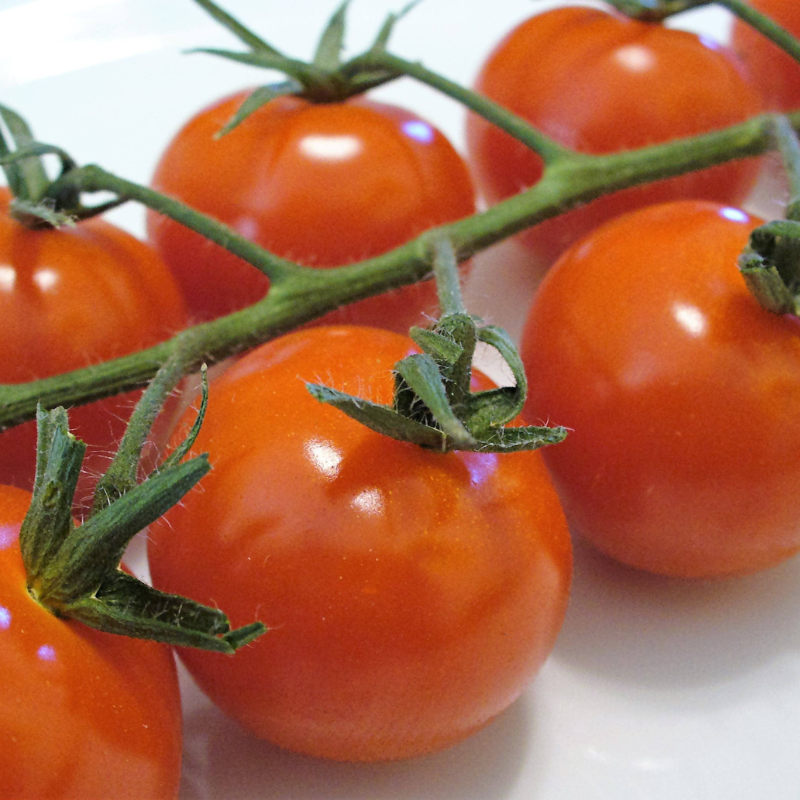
pixel 789 147
pixel 300 294
pixel 549 149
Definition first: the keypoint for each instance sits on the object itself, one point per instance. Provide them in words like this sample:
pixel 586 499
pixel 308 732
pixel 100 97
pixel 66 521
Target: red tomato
pixel 599 82
pixel 411 595
pixel 70 298
pixel 681 390
pixel 84 715
pixel 323 185
pixel 775 73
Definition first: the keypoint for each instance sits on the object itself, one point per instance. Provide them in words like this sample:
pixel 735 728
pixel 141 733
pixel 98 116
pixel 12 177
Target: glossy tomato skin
pixel 599 82
pixel 681 390
pixel 84 715
pixel 324 185
pixel 775 73
pixel 70 298
pixel 410 595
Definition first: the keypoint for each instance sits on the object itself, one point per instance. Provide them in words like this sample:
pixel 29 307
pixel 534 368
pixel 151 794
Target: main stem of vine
pixel 300 294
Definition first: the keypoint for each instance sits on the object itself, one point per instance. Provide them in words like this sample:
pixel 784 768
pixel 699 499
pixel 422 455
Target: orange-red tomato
pixel 324 185
pixel 70 298
pixel 775 73
pixel 681 390
pixel 84 715
pixel 599 82
pixel 411 595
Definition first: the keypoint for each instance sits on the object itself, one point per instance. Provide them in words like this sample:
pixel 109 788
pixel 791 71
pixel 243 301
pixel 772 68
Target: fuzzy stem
pixel 789 146
pixel 300 294
pixel 448 286
pixel 549 149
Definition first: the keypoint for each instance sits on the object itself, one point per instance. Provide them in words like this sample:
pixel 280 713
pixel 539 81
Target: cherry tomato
pixel 681 390
pixel 600 82
pixel 323 185
pixel 411 595
pixel 70 298
pixel 775 73
pixel 84 715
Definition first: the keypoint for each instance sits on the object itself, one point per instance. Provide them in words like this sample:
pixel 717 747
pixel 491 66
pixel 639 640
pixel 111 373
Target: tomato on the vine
pixel 321 184
pixel 84 715
pixel 411 595
pixel 775 72
pixel 600 82
pixel 681 389
pixel 70 298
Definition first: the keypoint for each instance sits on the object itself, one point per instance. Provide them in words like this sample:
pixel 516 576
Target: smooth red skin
pixel 775 73
pixel 264 180
pixel 396 629
pixel 91 716
pixel 572 73
pixel 70 298
pixel 681 390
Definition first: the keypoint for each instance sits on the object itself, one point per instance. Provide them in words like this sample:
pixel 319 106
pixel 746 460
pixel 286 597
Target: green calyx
pixel 36 205
pixel 324 79
pixel 434 406
pixel 770 266
pixel 74 571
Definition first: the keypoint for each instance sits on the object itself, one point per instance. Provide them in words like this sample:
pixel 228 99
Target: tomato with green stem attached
pixel 323 184
pixel 70 298
pixel 84 715
pixel 599 82
pixel 411 594
pixel 681 390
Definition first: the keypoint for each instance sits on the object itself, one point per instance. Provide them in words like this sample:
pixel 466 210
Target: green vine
pixel 299 294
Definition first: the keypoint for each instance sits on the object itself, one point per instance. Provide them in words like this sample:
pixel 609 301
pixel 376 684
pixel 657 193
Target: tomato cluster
pixel 321 184
pixel 412 595
pixel 608 83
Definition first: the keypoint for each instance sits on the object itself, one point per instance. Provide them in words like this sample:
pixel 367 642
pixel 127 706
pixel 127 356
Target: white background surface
pixel 657 689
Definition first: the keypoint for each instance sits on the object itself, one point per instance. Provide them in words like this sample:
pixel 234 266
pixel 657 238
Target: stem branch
pixel 299 294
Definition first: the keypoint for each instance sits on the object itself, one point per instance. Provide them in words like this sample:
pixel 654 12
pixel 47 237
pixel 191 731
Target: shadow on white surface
pixel 222 760
pixel 645 631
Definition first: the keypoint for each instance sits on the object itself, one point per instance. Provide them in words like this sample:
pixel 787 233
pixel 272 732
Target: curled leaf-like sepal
pixel 530 437
pixel 324 79
pixel 241 32
pixel 258 99
pixel 27 178
pixel 433 405
pixel 382 419
pixel 421 374
pixel 59 456
pixel 128 607
pixel 74 571
pixel 385 33
pixel 328 55
pixel 770 266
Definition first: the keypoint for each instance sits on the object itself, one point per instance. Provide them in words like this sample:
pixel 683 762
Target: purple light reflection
pixel 46 652
pixel 734 214
pixel 419 130
pixel 8 535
